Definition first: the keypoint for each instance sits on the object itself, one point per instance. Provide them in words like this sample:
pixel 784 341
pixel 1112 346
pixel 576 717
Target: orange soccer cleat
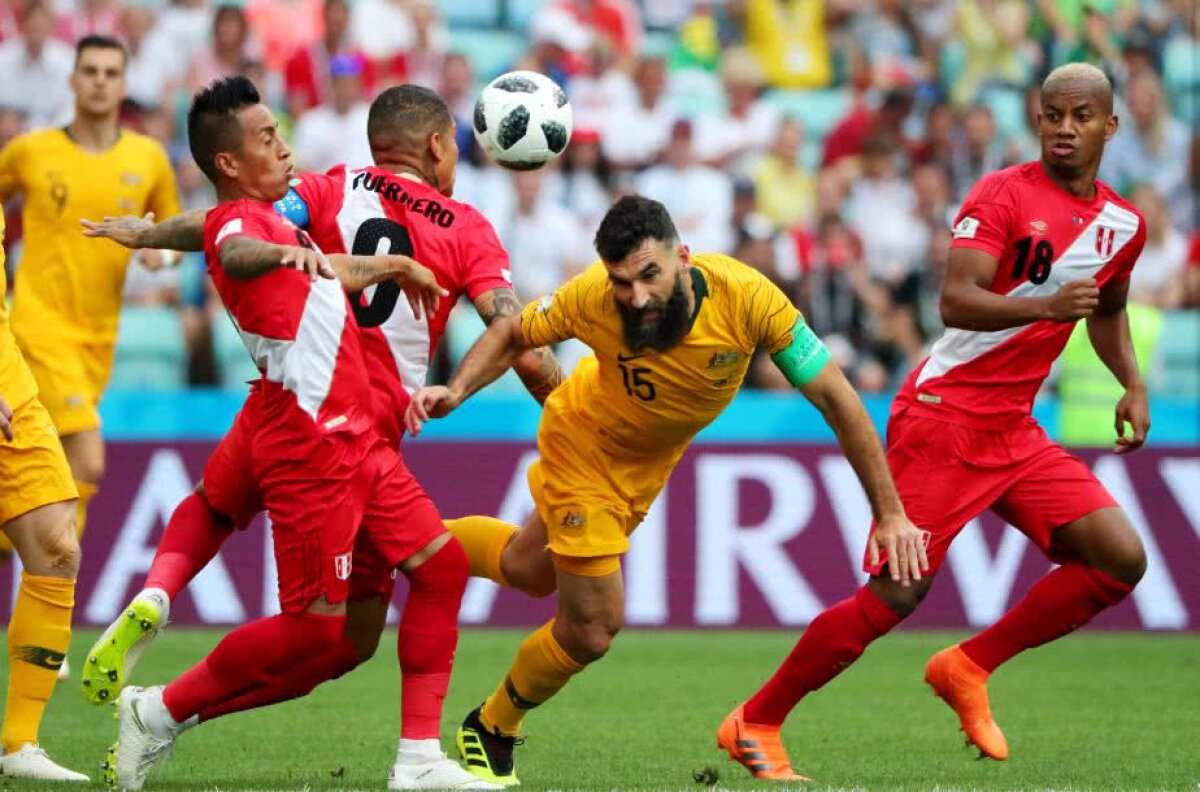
pixel 956 680
pixel 756 747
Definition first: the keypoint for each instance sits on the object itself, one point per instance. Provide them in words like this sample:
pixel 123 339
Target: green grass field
pixel 1093 711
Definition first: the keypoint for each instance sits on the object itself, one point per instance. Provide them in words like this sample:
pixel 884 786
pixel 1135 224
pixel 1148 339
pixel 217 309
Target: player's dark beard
pixel 663 333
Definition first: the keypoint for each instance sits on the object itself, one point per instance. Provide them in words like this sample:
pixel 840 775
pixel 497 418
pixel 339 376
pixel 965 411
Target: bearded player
pixel 673 333
pixel 67 295
pixel 1036 248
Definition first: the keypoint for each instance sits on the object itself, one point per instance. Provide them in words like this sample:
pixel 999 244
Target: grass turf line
pixel 1094 711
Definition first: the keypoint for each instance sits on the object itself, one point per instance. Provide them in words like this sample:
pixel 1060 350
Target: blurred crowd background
pixel 826 142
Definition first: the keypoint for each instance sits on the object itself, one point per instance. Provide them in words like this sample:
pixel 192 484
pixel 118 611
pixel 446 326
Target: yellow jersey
pixel 69 286
pixel 649 403
pixel 16 381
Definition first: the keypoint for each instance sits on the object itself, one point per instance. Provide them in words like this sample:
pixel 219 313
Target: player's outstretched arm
pixel 537 368
pixel 245 258
pixel 968 304
pixel 184 232
pixel 1108 329
pixel 491 355
pixel 418 282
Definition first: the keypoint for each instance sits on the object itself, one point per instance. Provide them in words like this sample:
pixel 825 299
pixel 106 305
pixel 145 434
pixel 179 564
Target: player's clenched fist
pixel 1075 300
pixel 427 403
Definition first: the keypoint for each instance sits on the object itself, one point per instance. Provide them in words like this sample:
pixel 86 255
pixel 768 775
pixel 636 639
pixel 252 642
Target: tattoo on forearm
pixel 182 232
pixel 497 303
pixel 244 258
pixel 548 376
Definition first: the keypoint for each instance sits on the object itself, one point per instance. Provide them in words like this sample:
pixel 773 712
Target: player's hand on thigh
pixel 904 544
pixel 6 419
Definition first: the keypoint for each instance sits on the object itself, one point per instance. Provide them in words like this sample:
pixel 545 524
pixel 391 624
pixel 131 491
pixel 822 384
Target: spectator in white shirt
pixel 153 67
pixel 634 137
pixel 699 198
pixel 748 125
pixel 36 68
pixel 336 132
pixel 1157 279
pixel 544 240
pixel 583 182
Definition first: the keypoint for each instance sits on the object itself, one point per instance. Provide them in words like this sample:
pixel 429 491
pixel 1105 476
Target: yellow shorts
pixel 33 467
pixel 589 499
pixel 71 378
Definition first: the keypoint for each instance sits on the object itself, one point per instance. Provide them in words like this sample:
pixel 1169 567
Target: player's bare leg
pixel 526 562
pixel 591 610
pixel 1106 561
pixel 38 635
pixel 85 455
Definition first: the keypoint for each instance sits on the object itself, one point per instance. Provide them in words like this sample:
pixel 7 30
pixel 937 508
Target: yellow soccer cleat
pixel 486 753
pixel 111 659
pixel 757 748
pixel 960 683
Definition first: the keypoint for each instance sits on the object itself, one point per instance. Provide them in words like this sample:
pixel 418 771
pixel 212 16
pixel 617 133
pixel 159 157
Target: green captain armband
pixel 803 359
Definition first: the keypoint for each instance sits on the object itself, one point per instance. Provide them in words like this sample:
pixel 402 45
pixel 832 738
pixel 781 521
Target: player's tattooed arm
pixel 418 282
pixel 184 231
pixel 246 258
pixel 538 368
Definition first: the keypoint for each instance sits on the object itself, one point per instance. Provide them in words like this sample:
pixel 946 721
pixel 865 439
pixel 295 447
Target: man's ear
pixel 227 164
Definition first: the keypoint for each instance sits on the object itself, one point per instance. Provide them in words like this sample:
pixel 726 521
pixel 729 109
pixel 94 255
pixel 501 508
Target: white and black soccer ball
pixel 522 120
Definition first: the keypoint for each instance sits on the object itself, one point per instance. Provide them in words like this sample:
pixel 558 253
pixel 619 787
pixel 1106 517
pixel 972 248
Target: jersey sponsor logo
pixel 230 228
pixel 394 191
pixel 1038 227
pixel 1105 242
pixel 341 566
pixel 966 228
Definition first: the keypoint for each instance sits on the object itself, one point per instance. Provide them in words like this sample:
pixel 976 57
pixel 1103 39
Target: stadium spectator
pixel 699 198
pixel 636 135
pixel 36 67
pixel 601 90
pixel 849 136
pixel 423 60
pixel 154 69
pixel 978 152
pixel 786 189
pixel 88 18
pixel 1158 278
pixel 229 47
pixel 306 74
pixel 543 240
pixel 457 87
pixel 789 40
pixel 336 131
pixel 558 42
pixel 748 125
pixel 1151 148
pixel 284 26
pixel 884 39
pixel 992 34
pixel 618 21
pixel 583 184
pixel 187 25
pixel 1087 29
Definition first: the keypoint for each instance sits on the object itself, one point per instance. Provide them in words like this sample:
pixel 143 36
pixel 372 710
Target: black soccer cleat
pixel 487 754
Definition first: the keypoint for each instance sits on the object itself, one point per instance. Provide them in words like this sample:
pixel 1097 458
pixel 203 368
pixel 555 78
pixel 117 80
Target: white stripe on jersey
pixel 1080 260
pixel 407 336
pixel 305 366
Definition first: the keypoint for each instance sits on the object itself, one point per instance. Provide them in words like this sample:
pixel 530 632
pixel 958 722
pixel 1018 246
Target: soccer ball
pixel 522 120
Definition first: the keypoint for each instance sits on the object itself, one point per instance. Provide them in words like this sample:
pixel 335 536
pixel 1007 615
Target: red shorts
pixel 947 474
pixel 339 528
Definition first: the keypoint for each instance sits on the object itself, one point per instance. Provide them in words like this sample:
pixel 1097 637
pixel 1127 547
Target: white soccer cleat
pixel 64 671
pixel 443 773
pixel 144 738
pixel 31 762
pixel 111 659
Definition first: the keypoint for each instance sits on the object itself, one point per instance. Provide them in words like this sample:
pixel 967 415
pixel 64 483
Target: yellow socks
pixel 483 539
pixel 86 490
pixel 38 635
pixel 540 670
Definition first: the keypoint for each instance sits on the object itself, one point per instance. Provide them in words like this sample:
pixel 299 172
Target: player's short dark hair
pixel 212 120
pixel 629 223
pixel 100 42
pixel 404 116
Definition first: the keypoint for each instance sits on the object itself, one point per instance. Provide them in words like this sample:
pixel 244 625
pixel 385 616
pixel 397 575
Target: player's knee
pixel 58 552
pixel 1126 560
pixel 900 600
pixel 590 640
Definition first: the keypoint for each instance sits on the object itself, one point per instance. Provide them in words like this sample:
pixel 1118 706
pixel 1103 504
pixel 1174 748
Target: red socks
pixel 1061 602
pixel 833 641
pixel 192 537
pixel 249 657
pixel 428 637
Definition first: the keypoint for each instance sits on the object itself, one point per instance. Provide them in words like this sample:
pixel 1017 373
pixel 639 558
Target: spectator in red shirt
pixel 306 74
pixel 849 137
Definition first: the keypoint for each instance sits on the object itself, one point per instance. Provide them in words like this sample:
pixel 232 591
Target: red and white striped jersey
pixel 372 211
pixel 1043 238
pixel 296 330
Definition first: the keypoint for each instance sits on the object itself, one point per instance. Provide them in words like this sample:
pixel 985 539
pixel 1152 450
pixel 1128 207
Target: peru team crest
pixel 1106 239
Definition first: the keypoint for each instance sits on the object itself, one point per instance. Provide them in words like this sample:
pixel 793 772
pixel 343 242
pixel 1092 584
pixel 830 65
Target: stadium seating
pixel 1178 351
pixel 151 353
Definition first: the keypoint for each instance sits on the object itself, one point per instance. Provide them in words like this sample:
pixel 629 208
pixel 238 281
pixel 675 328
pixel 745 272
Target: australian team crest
pixel 1106 239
